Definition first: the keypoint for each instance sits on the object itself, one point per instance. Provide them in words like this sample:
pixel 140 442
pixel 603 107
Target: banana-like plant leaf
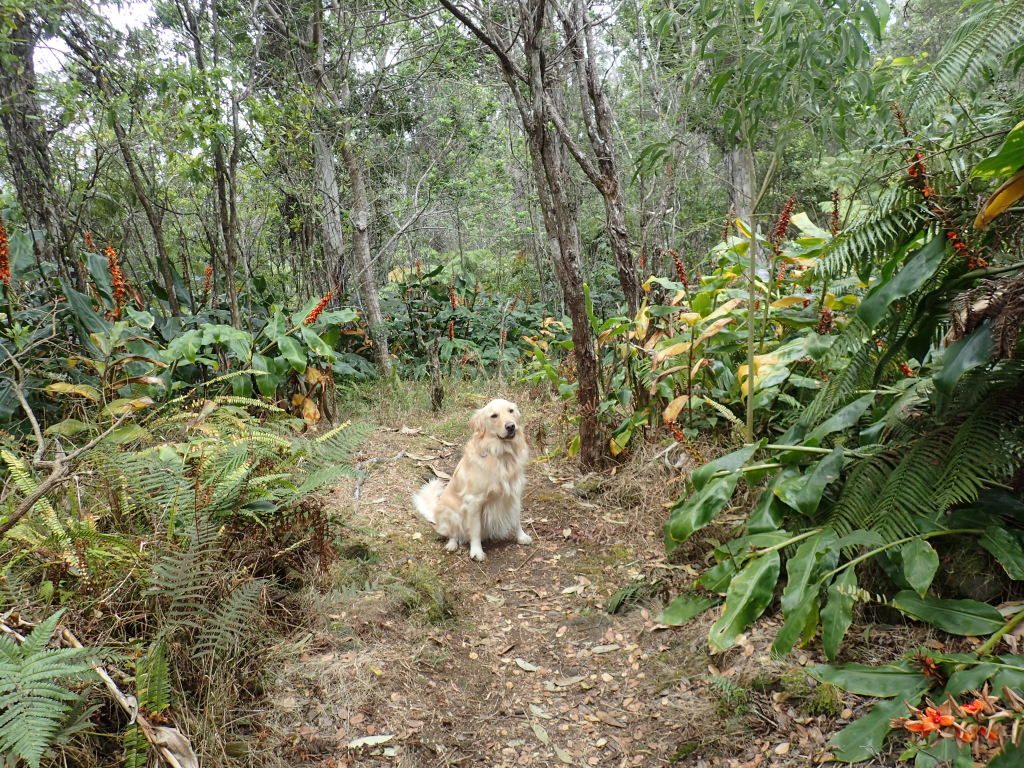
pixel 698 510
pixel 1006 548
pixel 800 597
pixel 958 617
pixel 867 680
pixel 749 594
pixel 920 562
pixel 1012 756
pixel 837 615
pixel 915 273
pixel 842 419
pixel 731 461
pixel 963 355
pixel 293 353
pixel 803 493
pixel 862 739
pixel 685 608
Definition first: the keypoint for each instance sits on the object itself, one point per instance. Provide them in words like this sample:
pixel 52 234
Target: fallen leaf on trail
pixel 607 719
pixel 566 681
pixel 523 664
pixel 442 442
pixel 439 472
pixel 564 756
pixel 370 741
pixel 561 630
pixel 410 430
pixel 541 734
pixel 604 648
pixel 540 712
pixel 415 457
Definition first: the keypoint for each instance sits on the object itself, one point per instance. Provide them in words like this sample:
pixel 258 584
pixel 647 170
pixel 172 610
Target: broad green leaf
pixel 126 433
pixel 81 306
pixel 293 353
pixel 270 380
pixel 142 319
pixel 68 427
pixel 1007 159
pixel 698 510
pixel 717 578
pixel 958 617
pixel 318 345
pixel 67 388
pixel 749 594
pixel 686 607
pixel 731 461
pixel 862 739
pixel 920 562
pixel 767 514
pixel 969 678
pixel 963 355
pixel 803 493
pixel 837 615
pixel 841 420
pixel 126 405
pixel 185 346
pixel 867 680
pixel 915 273
pixel 1006 548
pixel 800 597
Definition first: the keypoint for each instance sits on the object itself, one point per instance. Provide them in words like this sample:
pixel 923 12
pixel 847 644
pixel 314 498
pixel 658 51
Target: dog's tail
pixel 426 499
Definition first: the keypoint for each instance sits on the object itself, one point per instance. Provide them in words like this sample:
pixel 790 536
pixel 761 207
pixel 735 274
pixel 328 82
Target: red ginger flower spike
pixel 906 370
pixel 312 316
pixel 451 330
pixel 120 288
pixel 89 245
pixel 208 279
pixel 834 224
pixel 419 270
pixel 5 256
pixel 451 296
pixel 931 720
pixel 974 707
pixel 783 224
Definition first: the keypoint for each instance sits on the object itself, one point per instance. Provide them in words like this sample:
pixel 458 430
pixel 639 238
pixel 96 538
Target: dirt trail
pixel 433 659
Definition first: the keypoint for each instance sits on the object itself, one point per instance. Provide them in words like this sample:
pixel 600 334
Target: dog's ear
pixel 478 422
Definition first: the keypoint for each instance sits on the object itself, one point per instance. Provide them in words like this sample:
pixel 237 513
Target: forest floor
pixel 421 658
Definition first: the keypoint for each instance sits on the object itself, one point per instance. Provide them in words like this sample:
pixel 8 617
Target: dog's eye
pixel 510 410
pixel 494 415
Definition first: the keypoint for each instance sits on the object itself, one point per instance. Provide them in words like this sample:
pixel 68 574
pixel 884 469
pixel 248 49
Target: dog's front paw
pixel 452 545
pixel 523 538
pixel 477 553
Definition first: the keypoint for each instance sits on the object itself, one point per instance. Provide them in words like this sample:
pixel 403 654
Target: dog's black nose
pixel 510 428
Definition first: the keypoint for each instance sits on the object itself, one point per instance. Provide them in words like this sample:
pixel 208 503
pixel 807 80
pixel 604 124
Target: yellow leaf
pixel 743 229
pixel 715 328
pixel 298 399
pixel 1009 193
pixel 653 341
pixel 680 295
pixel 788 301
pixel 672 409
pixel 640 322
pixel 690 317
pixel 310 413
pixel 675 349
pixel 66 388
pixel 314 376
pixel 725 309
pixel 741 372
pixel 127 404
pixel 697 366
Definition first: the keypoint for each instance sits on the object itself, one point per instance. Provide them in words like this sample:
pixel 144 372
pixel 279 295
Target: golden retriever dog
pixel 483 498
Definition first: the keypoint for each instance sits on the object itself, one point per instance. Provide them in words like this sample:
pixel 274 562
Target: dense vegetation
pixel 779 241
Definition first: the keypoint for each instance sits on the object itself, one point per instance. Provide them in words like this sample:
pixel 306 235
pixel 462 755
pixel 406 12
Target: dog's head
pixel 498 419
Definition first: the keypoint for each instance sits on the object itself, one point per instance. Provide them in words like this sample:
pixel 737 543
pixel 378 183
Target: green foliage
pixel 35 698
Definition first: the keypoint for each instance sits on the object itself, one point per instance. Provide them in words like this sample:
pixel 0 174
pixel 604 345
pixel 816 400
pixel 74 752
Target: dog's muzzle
pixel 510 430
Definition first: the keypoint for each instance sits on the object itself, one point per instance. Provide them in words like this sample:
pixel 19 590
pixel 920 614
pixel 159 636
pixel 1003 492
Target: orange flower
pixel 966 733
pixel 906 370
pixel 208 279
pixel 312 316
pixel 974 707
pixel 451 296
pixel 5 256
pixel 451 330
pixel 120 288
pixel 992 734
pixel 89 246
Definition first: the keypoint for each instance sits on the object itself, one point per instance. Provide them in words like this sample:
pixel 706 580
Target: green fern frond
pixel 982 44
pixel 35 702
pixel 224 633
pixel 893 220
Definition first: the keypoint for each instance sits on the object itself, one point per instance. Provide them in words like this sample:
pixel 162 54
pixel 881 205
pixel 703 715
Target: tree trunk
pixel 363 260
pixel 28 147
pixel 330 206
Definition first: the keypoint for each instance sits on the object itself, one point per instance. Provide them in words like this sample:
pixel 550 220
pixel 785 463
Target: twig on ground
pixel 365 473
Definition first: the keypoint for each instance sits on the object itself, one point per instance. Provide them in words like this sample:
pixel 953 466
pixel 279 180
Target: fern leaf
pixel 35 701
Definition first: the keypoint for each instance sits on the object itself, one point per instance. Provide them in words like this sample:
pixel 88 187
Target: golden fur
pixel 483 498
